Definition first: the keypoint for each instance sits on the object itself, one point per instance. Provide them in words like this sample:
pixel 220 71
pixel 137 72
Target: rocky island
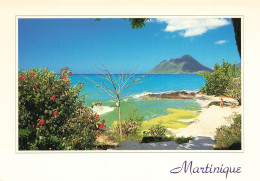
pixel 183 65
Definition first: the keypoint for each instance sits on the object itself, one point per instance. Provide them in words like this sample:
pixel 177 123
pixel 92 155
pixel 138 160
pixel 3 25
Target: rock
pixel 225 103
pixel 129 145
pixel 65 70
pixel 167 145
pixel 172 95
pixel 198 143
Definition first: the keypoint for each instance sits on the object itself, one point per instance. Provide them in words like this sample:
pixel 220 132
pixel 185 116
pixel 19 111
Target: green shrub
pixel 182 139
pixel 229 135
pixel 179 140
pixel 131 124
pixel 129 127
pixel 221 81
pixel 234 90
pixel 157 130
pixel 50 113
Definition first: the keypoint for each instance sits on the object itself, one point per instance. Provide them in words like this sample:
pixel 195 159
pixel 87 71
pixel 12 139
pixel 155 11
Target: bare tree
pixel 115 86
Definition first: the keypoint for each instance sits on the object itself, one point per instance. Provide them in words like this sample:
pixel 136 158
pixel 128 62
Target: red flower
pixel 68 82
pixel 21 77
pixel 80 103
pixel 32 75
pixel 97 116
pixel 100 104
pixel 65 76
pixel 81 85
pixel 98 135
pixel 55 113
pixel 41 122
pixel 101 125
pixel 53 97
pixel 70 73
pixel 37 88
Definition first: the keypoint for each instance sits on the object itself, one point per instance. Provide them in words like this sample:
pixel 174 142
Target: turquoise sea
pixel 130 99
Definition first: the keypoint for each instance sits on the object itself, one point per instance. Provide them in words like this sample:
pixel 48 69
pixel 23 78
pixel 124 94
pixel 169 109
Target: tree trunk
pixel 237 30
pixel 120 121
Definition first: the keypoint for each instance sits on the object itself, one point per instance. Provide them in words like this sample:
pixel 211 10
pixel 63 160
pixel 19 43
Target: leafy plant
pixel 179 140
pixel 223 81
pixel 182 139
pixel 157 130
pixel 234 90
pixel 131 124
pixel 51 113
pixel 226 136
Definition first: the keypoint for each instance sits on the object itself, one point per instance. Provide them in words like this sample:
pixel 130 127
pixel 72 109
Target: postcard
pixel 156 96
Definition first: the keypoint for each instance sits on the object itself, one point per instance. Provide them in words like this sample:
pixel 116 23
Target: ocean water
pixel 130 99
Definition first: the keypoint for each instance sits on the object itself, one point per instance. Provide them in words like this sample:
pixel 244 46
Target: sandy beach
pixel 210 117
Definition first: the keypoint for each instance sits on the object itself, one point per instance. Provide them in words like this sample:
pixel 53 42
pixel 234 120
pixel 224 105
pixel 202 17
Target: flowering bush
pixel 51 114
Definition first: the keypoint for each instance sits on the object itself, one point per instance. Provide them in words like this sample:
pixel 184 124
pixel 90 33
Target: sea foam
pixel 103 109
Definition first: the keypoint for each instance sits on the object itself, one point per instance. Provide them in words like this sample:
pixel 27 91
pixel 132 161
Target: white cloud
pixel 192 27
pixel 220 42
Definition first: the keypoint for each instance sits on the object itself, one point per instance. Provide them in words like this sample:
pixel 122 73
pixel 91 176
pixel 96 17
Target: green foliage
pixel 136 23
pixel 134 115
pixel 131 124
pixel 234 89
pixel 51 114
pixel 229 135
pixel 178 140
pixel 182 139
pixel 157 130
pixel 220 82
pixel 129 127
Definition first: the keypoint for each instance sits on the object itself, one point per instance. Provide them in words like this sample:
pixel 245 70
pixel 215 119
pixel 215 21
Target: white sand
pixel 209 118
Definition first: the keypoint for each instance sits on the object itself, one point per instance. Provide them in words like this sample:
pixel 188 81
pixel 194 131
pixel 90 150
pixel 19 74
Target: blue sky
pixel 83 43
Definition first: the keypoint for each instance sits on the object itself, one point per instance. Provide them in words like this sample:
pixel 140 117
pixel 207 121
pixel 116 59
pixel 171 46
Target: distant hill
pixel 183 65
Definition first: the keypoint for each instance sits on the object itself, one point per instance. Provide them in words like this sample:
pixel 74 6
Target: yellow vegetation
pixel 172 120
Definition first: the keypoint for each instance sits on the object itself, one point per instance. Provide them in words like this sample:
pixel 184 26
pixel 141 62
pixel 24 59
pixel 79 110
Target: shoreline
pixel 210 117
